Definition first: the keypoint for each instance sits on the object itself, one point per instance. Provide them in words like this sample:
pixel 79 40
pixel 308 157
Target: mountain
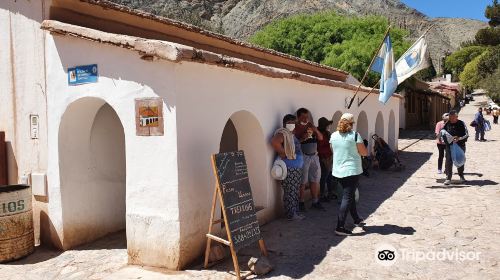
pixel 242 18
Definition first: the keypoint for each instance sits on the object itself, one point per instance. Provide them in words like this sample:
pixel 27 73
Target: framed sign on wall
pixel 149 116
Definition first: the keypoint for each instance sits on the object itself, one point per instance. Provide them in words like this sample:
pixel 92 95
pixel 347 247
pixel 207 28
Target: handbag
pixel 473 123
pixel 457 155
pixel 487 125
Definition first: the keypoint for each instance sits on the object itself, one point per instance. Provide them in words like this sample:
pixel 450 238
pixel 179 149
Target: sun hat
pixel 348 117
pixel 278 171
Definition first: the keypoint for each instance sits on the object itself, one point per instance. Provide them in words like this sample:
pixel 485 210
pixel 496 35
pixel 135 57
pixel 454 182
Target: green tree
pixel 492 85
pixel 427 74
pixel 347 43
pixel 456 62
pixel 493 14
pixel 470 77
pixel 489 36
pixel 489 62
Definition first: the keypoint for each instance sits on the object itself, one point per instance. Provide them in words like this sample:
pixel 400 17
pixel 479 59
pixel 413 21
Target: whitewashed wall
pixel 168 180
pixel 22 93
pixel 152 216
pixel 207 96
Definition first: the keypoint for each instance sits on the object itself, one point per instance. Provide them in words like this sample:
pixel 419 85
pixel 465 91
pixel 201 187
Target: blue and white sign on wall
pixel 83 74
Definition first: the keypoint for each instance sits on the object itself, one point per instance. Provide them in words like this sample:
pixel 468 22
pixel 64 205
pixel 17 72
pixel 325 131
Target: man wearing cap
pixel 309 136
pixel 458 130
pixel 440 144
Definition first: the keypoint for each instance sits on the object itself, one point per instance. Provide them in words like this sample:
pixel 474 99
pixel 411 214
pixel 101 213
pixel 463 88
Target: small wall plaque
pixel 34 126
pixel 149 116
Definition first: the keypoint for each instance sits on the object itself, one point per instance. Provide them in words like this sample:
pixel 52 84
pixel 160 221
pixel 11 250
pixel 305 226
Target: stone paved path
pixel 411 211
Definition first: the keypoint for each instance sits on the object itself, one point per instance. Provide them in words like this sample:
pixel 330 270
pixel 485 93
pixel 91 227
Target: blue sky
pixel 473 9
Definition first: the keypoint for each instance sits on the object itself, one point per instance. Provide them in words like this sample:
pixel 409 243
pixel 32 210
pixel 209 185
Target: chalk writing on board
pixel 237 196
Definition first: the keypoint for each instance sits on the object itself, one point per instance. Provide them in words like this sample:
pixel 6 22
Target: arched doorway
pixel 362 125
pixel 243 132
pixel 92 171
pixel 335 119
pixel 391 137
pixel 379 125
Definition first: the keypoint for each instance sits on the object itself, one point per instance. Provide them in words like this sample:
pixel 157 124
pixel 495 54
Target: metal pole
pixel 369 67
pixel 362 100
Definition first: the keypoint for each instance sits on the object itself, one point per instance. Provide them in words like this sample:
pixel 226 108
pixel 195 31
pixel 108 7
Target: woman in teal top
pixel 347 147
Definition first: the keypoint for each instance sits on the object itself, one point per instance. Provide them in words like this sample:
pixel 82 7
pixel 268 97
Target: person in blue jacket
pixel 479 120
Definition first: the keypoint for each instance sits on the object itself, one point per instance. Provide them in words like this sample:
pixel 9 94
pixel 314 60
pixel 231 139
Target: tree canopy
pixel 470 77
pixel 347 43
pixel 455 63
pixel 491 85
pixel 492 13
pixel 488 36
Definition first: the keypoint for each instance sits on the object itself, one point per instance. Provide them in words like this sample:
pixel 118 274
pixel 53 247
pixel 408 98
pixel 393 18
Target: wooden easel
pixel 229 242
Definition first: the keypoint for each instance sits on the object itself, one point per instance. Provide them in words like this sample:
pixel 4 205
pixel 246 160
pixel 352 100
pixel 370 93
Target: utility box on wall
pixel 39 184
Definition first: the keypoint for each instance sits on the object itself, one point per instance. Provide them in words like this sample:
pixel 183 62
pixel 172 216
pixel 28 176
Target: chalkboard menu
pixel 232 173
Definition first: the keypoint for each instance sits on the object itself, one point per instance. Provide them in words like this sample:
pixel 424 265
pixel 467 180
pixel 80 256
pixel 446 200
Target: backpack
pixel 385 156
pixel 365 162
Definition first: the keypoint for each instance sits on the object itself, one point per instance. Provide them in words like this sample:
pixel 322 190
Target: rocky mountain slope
pixel 242 18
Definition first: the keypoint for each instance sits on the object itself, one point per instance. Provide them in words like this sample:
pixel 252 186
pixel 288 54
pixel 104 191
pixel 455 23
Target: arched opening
pixel 243 132
pixel 391 137
pixel 379 125
pixel 362 125
pixel 335 119
pixel 92 171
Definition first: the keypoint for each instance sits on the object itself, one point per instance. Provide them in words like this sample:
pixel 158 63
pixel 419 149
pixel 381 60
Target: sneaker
pixel 462 180
pixel 342 232
pixel 296 217
pixel 360 222
pixel 440 171
pixel 447 182
pixel 318 206
pixel 302 207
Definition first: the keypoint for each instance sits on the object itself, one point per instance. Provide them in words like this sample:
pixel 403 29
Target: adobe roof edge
pixel 191 28
pixel 155 49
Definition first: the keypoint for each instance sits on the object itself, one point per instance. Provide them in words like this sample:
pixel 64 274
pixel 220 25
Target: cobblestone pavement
pixel 410 210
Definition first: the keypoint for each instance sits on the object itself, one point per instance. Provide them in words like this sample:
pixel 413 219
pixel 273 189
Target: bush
pixel 347 43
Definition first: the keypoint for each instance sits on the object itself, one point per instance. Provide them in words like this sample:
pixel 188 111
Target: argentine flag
pixel 384 64
pixel 413 60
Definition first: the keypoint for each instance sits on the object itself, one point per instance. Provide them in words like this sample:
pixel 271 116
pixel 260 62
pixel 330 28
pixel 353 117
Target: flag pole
pixel 362 100
pixel 369 67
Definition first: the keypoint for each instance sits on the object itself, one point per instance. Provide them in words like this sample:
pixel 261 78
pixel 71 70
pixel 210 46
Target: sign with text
pixel 232 173
pixel 83 74
pixel 34 127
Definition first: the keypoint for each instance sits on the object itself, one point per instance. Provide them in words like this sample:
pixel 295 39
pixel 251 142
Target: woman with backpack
pixel 347 146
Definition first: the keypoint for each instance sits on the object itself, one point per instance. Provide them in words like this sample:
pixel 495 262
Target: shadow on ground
pixel 295 248
pixel 116 240
pixel 468 183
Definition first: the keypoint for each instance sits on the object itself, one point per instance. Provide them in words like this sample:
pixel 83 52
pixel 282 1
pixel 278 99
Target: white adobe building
pixel 218 94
